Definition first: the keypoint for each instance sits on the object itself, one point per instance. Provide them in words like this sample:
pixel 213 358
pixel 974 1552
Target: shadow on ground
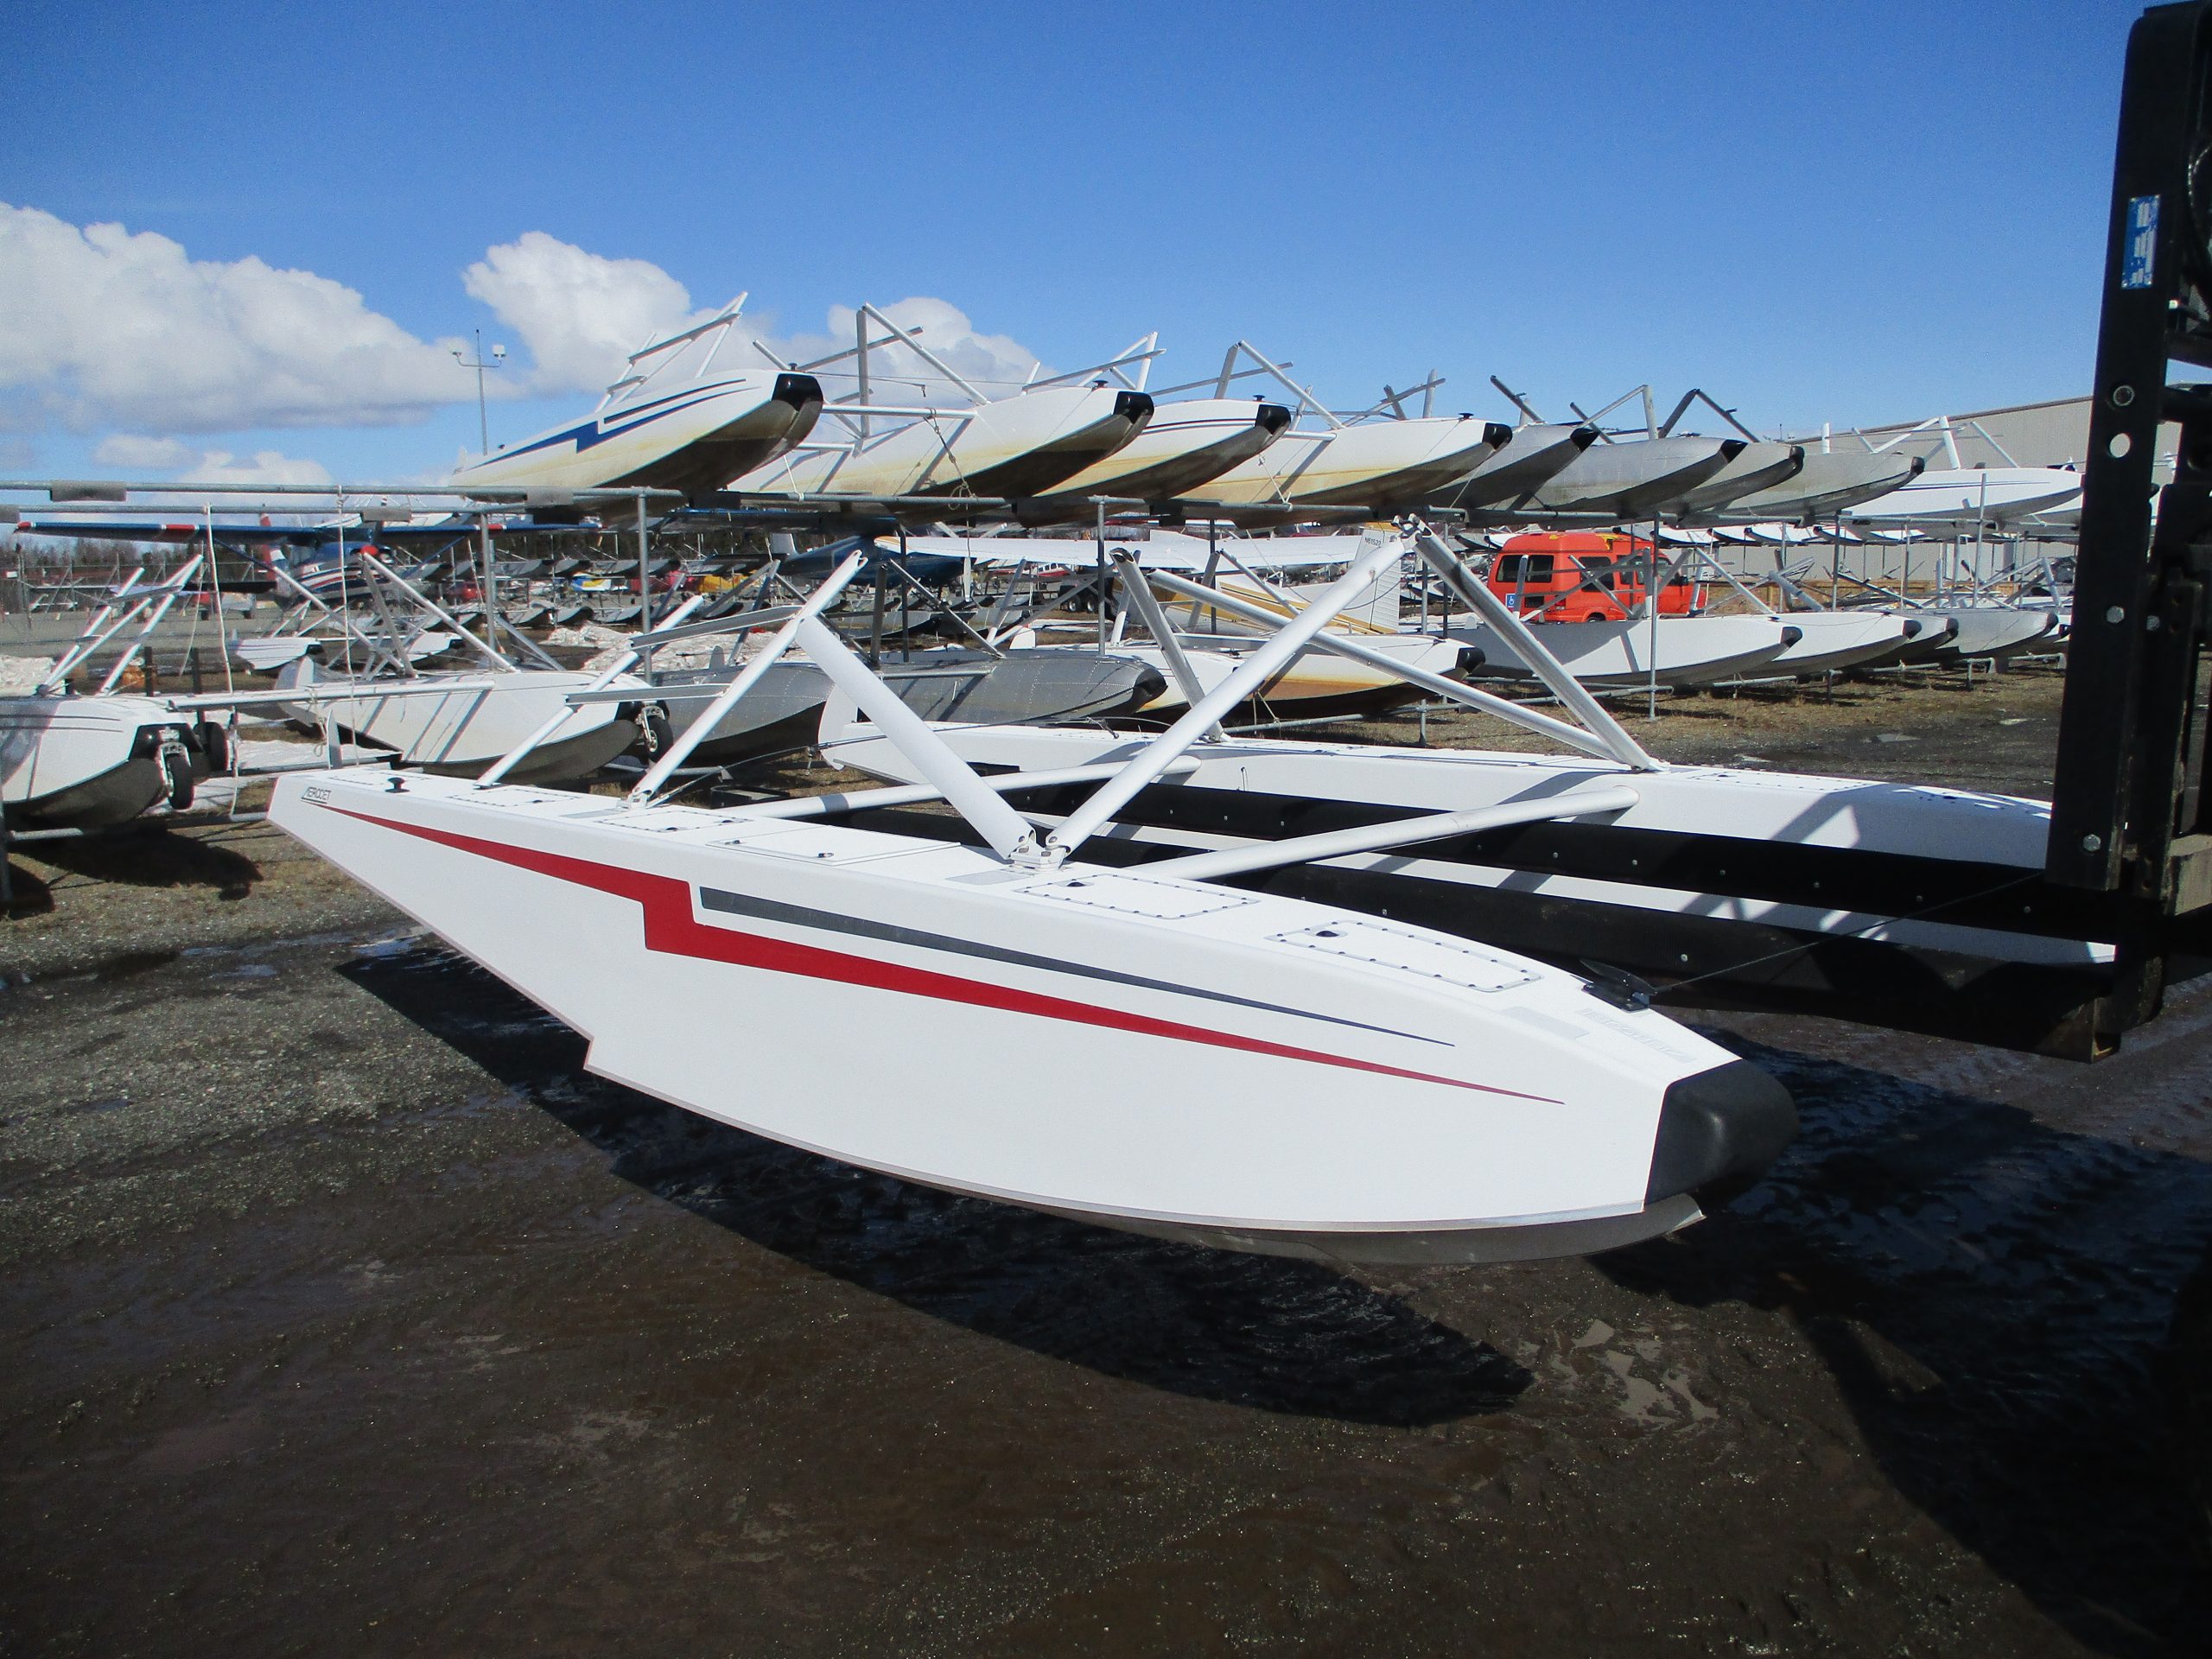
pixel 1281 1336
pixel 146 856
pixel 1992 1295
pixel 27 894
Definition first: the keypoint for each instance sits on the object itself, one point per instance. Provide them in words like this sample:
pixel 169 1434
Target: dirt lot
pixel 345 1314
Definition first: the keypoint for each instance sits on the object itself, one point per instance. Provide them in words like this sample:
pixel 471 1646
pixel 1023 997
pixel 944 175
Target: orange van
pixel 1582 575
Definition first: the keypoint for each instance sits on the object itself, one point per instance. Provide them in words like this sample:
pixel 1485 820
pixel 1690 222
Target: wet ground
pixel 345 1314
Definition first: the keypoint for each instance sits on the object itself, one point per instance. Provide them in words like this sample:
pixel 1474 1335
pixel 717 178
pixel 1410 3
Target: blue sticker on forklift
pixel 2140 253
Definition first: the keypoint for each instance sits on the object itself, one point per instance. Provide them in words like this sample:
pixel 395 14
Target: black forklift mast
pixel 2128 814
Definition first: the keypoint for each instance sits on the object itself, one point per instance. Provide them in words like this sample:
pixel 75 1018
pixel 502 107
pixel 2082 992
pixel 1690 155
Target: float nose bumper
pixel 797 389
pixel 1718 1131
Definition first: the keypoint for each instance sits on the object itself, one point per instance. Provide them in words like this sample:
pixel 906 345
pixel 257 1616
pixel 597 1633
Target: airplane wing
pixel 174 532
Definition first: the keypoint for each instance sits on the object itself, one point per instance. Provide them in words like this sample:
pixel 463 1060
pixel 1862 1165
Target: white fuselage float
pixel 694 437
pixel 1678 650
pixel 1018 445
pixel 1378 465
pixel 1534 455
pixel 1031 686
pixel 1754 469
pixel 1016 1021
pixel 1829 640
pixel 1963 495
pixel 1628 481
pixel 1828 482
pixel 459 724
pixel 1981 633
pixel 1155 1055
pixel 1316 686
pixel 69 761
pixel 1182 446
pixel 1319 685
pixel 1163 550
pixel 80 762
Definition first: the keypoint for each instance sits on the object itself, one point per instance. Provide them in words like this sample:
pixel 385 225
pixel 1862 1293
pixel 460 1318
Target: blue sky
pixel 1818 211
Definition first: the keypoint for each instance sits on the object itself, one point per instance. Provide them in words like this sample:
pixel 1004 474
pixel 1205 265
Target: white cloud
pixel 127 449
pixel 104 326
pixel 144 457
pixel 996 364
pixel 579 314
pixel 263 467
pixel 102 329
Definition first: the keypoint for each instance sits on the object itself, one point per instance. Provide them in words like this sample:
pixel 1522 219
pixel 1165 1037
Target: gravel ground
pixel 347 1314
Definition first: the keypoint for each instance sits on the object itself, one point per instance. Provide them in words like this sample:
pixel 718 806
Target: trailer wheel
pixel 176 762
pixel 215 747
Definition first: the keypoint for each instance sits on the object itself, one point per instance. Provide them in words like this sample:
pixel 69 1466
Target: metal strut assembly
pixel 2128 816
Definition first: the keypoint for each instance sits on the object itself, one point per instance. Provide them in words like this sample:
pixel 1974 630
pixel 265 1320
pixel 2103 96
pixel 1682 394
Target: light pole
pixel 498 357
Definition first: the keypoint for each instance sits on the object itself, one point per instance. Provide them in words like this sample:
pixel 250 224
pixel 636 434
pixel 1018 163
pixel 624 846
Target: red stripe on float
pixel 672 930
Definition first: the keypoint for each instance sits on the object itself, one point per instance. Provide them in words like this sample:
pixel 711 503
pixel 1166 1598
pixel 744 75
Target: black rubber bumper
pixel 797 389
pixel 1718 1131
